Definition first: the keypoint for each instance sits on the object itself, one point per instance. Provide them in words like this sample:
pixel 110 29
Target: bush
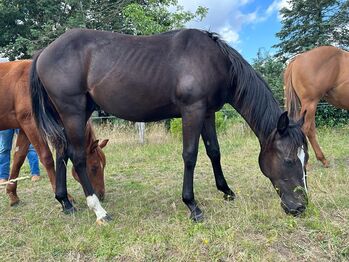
pixel 327 115
pixel 221 124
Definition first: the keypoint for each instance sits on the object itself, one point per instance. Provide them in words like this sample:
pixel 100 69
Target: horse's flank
pixel 321 73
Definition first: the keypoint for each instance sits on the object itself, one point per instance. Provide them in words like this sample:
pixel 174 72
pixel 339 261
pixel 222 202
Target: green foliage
pixel 221 124
pixel 27 26
pixel 308 24
pixel 271 69
pixel 155 17
pixel 327 115
pixel 176 126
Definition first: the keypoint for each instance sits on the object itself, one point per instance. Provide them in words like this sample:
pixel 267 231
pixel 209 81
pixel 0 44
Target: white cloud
pixel 224 17
pixel 276 5
pixel 229 35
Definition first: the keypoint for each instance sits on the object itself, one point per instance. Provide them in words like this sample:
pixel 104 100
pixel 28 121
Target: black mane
pixel 252 97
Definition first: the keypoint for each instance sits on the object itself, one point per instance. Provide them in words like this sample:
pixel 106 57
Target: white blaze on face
pixel 301 156
pixel 93 204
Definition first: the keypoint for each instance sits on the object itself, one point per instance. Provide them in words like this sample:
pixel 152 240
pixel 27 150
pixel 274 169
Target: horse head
pixel 282 159
pixel 95 162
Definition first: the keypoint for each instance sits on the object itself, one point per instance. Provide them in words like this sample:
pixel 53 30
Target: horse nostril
pixel 295 211
pixel 301 209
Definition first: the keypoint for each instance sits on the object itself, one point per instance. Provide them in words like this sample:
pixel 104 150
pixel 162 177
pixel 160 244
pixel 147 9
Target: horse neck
pixel 259 108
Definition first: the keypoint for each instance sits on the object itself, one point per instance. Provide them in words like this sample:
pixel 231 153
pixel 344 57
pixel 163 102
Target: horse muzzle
pixel 296 209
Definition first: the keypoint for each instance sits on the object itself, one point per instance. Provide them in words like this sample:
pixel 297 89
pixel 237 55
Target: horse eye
pixel 289 161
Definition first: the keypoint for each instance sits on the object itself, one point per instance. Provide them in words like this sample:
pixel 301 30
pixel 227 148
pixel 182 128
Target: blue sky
pixel 247 25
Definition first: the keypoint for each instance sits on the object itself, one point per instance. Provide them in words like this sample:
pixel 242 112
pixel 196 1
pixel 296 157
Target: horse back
pixel 156 73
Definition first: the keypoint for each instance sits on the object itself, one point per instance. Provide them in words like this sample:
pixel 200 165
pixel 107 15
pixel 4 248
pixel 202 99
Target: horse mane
pixel 252 97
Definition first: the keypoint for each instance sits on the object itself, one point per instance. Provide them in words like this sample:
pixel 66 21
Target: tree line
pixel 27 26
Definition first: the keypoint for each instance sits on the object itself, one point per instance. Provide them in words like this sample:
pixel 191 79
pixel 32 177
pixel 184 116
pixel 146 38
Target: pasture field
pixel 150 222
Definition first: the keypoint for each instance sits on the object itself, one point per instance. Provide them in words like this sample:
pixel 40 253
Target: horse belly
pixel 137 106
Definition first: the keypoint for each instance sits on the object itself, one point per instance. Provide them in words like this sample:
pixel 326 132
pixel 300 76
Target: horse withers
pixel 321 73
pixel 184 73
pixel 16 112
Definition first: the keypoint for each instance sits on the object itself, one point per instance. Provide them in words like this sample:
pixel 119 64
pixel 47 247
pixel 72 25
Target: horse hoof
pixel 326 164
pixel 197 216
pixel 229 197
pixel 104 220
pixel 69 211
pixel 14 202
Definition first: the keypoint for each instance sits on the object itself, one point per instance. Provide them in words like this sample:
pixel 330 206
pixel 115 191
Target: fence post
pixel 141 128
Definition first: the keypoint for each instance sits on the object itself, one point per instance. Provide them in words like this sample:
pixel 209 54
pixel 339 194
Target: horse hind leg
pixel 74 119
pixel 310 131
pixel 21 150
pixel 192 121
pixel 210 140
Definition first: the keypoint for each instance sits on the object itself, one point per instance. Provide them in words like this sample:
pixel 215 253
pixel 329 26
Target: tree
pixel 271 69
pixel 155 17
pixel 311 23
pixel 26 26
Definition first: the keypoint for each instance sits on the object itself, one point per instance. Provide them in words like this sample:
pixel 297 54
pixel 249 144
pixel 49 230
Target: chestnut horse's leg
pixel 41 149
pixel 310 130
pixel 192 122
pixel 20 152
pixel 209 136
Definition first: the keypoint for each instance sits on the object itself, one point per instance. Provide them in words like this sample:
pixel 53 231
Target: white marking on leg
pixel 94 204
pixel 301 156
pixel 17 149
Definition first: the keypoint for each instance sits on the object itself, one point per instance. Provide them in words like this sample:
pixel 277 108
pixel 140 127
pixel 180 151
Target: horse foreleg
pixel 21 150
pixel 209 137
pixel 310 131
pixel 192 121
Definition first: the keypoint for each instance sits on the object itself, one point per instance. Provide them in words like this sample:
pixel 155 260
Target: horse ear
pixel 283 123
pixel 94 145
pixel 103 143
pixel 300 122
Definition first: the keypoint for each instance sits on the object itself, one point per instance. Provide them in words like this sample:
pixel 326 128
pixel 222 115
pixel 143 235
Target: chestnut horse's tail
pixel 292 102
pixel 45 114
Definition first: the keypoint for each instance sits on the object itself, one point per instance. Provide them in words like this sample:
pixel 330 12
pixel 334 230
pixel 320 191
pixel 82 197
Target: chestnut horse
pixel 16 112
pixel 184 73
pixel 321 73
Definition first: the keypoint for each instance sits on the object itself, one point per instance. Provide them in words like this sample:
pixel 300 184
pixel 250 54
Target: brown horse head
pixel 95 162
pixel 282 159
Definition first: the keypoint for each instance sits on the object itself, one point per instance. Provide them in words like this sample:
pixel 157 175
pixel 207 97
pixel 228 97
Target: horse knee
pixel 46 160
pixel 189 159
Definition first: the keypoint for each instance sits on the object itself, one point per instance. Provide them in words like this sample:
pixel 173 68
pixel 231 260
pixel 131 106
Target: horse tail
pixel 292 102
pixel 45 114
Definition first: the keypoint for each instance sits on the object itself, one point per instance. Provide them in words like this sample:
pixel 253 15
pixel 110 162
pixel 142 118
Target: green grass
pixel 150 222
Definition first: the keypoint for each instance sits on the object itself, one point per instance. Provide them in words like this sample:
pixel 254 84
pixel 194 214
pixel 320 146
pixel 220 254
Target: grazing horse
pixel 321 73
pixel 16 112
pixel 185 73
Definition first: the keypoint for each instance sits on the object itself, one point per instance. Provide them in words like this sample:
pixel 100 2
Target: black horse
pixel 185 73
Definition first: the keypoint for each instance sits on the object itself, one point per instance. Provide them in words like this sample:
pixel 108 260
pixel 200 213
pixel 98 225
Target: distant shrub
pixel 327 115
pixel 221 124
